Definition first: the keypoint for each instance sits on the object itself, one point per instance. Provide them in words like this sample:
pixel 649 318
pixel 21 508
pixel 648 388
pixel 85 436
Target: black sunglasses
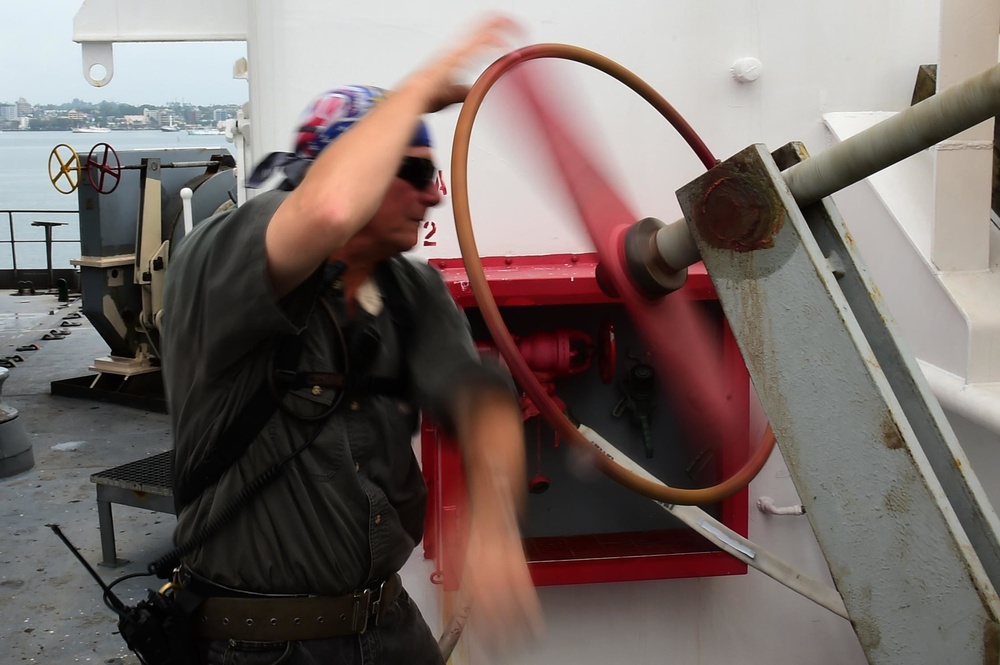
pixel 418 171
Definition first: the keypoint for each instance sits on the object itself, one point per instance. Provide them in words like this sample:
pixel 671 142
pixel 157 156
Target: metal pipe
pixel 960 107
pixel 676 246
pixel 916 128
pixel 173 165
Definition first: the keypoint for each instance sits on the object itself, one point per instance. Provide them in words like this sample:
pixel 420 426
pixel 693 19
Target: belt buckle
pixel 361 607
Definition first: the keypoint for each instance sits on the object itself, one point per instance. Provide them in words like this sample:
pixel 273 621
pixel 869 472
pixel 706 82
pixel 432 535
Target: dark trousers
pixel 401 637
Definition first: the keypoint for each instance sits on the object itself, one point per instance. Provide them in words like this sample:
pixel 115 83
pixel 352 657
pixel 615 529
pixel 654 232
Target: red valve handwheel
pixel 661 322
pixel 106 172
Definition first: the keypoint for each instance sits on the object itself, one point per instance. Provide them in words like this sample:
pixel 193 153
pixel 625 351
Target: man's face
pixel 395 226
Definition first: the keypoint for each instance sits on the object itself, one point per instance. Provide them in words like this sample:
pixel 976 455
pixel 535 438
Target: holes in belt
pixel 319 619
pixel 249 622
pixel 274 622
pixel 297 621
pixel 343 617
pixel 225 621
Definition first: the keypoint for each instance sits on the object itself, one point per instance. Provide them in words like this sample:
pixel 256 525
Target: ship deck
pixel 53 608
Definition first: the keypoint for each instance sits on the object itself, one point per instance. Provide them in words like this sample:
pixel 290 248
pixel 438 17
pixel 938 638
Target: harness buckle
pixel 368 604
pixel 362 600
pixel 377 604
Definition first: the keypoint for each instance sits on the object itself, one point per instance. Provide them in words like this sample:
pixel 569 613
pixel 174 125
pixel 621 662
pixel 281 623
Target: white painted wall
pixel 815 59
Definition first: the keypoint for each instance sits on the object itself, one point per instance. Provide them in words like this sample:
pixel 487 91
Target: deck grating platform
pixel 150 474
pixel 144 483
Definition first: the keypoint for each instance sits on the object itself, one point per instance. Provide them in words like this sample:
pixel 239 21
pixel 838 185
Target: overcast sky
pixel 40 61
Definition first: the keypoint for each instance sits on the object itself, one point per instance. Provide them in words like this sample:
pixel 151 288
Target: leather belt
pixel 292 618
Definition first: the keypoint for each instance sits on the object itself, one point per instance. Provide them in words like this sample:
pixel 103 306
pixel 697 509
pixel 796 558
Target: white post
pixel 963 165
pixel 186 195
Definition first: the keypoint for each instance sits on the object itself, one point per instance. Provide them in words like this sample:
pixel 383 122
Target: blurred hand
pixel 451 94
pixel 496 583
pixel 442 73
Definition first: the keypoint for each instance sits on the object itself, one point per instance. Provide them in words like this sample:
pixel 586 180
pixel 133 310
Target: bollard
pixel 15 449
pixel 63 288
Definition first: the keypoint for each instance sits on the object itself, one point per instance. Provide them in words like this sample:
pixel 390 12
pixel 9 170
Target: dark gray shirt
pixel 349 509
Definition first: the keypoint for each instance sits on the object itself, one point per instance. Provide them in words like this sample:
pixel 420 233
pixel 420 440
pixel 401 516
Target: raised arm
pixel 348 180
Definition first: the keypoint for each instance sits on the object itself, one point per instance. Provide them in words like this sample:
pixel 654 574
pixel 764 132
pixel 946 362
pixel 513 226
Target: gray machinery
pixel 132 210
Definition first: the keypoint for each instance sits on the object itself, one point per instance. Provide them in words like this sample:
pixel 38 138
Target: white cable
pixel 765 504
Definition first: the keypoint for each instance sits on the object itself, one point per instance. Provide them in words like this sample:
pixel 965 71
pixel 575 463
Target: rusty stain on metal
pixel 891 435
pixel 898 499
pixel 991 650
pixel 758 350
pixel 876 294
pixel 865 624
pixel 849 239
pixel 757 345
pixel 739 210
pixel 868 633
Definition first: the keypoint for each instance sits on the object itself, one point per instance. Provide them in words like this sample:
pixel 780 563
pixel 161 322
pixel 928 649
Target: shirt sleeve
pixel 443 360
pixel 218 302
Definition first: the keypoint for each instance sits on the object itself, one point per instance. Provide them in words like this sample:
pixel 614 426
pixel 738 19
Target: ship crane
pixel 909 536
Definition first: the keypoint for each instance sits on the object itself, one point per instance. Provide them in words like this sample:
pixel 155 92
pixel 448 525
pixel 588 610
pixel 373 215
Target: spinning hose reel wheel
pixel 609 225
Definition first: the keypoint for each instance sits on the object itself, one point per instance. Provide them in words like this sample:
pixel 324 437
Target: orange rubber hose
pixel 487 304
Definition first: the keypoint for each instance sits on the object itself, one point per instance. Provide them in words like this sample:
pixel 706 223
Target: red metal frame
pixel 568 279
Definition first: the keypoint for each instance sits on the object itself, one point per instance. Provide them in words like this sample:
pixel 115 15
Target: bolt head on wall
pixel 747 70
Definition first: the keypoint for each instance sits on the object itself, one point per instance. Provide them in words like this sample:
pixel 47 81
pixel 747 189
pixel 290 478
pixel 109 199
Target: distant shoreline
pixel 113 129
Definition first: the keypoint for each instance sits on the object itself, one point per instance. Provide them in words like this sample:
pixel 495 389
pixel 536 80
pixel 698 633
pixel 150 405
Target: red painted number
pixel 431 230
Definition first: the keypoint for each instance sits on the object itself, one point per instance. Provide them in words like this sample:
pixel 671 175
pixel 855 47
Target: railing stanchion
pixel 13 246
pixel 48 240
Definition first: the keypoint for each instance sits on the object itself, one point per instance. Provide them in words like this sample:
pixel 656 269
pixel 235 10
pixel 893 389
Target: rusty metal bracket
pixel 904 524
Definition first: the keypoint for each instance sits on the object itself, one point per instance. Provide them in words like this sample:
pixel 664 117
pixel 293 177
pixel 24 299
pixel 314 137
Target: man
pixel 297 304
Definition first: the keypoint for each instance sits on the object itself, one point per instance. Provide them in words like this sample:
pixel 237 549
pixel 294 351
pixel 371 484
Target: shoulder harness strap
pixel 251 419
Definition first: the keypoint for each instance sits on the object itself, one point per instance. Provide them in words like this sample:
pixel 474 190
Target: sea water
pixel 25 185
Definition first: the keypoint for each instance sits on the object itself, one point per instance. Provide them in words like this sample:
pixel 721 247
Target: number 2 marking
pixel 430 234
